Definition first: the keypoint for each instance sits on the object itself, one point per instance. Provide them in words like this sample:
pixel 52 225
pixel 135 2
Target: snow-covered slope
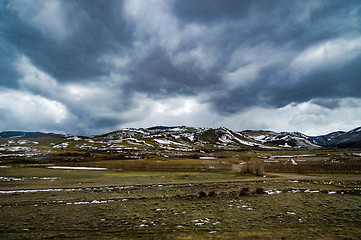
pixel 183 138
pixel 350 139
pixel 176 139
pixel 283 139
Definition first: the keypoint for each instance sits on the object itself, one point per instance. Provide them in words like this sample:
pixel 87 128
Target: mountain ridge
pixel 216 136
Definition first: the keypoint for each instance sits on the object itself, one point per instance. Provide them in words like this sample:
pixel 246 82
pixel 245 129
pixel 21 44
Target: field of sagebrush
pixel 41 203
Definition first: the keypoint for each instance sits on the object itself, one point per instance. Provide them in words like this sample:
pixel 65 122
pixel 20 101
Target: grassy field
pixel 287 215
pixel 166 185
pixel 30 176
pixel 41 203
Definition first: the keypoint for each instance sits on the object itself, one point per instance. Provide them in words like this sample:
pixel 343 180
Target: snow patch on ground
pixel 260 138
pixel 191 138
pixel 92 202
pixel 19 149
pixel 207 158
pixel 9 179
pixel 40 190
pixel 293 162
pixel 75 138
pixel 168 142
pixel 270 192
pixel 61 145
pixel 78 168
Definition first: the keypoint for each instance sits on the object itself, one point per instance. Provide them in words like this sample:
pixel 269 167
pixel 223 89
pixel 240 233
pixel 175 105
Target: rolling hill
pixel 184 138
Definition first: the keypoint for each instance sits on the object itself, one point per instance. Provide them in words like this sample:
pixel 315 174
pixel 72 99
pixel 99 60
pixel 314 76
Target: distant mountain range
pixel 339 139
pixel 184 138
pixel 350 139
pixel 21 134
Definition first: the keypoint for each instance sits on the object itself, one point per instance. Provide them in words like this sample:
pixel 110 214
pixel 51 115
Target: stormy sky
pixel 88 67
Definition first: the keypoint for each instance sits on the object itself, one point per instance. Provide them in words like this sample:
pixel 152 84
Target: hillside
pixel 350 139
pixel 160 141
pixel 281 140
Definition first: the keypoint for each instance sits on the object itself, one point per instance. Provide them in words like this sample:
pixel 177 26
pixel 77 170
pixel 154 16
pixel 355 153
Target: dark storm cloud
pixel 287 26
pixel 157 75
pixel 8 76
pixel 65 40
pixel 96 61
pixel 273 88
pixel 94 29
pixel 275 21
pixel 208 11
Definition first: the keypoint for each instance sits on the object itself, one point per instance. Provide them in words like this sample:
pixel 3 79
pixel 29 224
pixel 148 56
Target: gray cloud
pixel 69 48
pixel 101 63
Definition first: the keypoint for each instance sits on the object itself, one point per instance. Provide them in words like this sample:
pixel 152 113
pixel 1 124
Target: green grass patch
pixel 181 214
pixel 41 177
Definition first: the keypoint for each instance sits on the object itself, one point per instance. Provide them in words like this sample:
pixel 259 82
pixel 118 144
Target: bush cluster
pixel 259 190
pixel 253 166
pixel 203 194
pixel 212 194
pixel 244 191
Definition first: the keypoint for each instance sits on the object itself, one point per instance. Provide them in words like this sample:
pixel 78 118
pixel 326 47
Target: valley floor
pixel 40 203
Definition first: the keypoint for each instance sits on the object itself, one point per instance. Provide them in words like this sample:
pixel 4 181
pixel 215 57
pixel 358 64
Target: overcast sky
pixel 88 67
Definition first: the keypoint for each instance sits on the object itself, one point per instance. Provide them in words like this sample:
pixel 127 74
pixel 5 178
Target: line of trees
pixel 315 166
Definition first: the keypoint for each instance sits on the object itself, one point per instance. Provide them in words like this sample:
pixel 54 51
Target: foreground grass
pixel 163 205
pixel 226 216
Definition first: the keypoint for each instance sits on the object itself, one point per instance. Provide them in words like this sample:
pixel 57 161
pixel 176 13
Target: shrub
pixel 244 191
pixel 195 156
pixel 212 194
pixel 259 190
pixel 202 193
pixel 253 166
pixel 258 168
